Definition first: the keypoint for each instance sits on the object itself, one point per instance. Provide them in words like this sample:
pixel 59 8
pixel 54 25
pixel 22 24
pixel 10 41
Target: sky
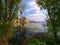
pixel 33 12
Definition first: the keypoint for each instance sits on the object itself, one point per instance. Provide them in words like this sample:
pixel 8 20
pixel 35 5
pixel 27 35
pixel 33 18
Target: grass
pixel 34 41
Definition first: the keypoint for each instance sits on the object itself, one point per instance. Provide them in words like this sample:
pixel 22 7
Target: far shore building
pixel 32 25
pixel 37 28
pixel 17 22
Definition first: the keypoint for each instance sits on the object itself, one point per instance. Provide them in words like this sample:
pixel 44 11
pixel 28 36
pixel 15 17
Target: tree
pixel 53 7
pixel 19 29
pixel 22 22
pixel 8 11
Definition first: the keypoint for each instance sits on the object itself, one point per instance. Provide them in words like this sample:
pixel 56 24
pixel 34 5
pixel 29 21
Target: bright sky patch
pixel 33 12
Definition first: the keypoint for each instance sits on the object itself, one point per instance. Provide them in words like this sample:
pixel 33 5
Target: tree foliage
pixel 8 11
pixel 53 7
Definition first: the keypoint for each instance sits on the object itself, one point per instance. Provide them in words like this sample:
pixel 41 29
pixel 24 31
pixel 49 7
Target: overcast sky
pixel 33 12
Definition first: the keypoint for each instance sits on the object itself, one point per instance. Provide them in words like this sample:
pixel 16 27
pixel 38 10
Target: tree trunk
pixel 55 35
pixel 3 41
pixel 23 35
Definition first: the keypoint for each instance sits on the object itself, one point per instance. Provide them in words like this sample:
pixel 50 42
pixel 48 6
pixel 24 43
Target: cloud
pixel 33 6
pixel 36 17
pixel 32 3
pixel 30 9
